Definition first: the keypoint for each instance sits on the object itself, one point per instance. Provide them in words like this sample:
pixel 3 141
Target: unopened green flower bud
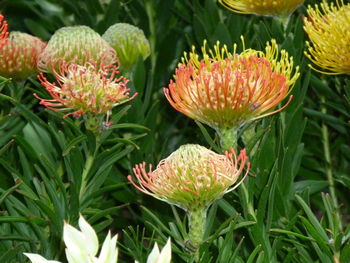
pixel 78 45
pixel 129 41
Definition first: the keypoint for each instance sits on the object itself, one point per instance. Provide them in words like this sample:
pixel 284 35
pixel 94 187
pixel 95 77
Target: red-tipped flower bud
pixel 19 56
pixel 76 45
pixel 3 31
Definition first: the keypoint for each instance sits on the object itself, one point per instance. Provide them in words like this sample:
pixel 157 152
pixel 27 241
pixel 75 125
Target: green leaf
pixel 128 126
pixel 207 137
pixel 254 253
pixel 282 231
pixel 313 220
pixel 73 143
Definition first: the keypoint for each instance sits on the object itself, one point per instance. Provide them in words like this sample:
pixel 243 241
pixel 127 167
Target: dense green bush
pixel 293 207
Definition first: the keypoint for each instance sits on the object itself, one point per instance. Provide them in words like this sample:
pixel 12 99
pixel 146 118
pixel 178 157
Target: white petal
pixel 76 256
pixel 35 258
pixel 114 250
pixel 165 254
pixel 89 235
pixel 109 251
pixel 104 254
pixel 153 256
pixel 74 239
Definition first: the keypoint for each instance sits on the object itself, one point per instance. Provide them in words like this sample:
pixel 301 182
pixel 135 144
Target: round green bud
pixel 129 42
pixel 78 45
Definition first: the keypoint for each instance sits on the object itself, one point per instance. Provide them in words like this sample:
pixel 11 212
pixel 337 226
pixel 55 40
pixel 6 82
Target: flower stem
pixel 228 138
pixel 87 167
pixel 327 156
pixel 88 164
pixel 197 219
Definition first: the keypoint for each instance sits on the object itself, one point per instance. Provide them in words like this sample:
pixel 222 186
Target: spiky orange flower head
pixel 77 45
pixel 262 7
pixel 192 176
pixel 3 31
pixel 19 56
pixel 225 90
pixel 89 88
pixel 328 27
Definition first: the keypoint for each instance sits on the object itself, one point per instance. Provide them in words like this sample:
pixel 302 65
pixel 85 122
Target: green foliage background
pixel 284 212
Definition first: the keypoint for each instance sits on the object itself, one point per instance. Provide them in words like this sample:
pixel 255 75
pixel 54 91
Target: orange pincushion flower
pixel 225 90
pixel 88 88
pixel 192 177
pixel 328 28
pixel 262 7
pixel 19 56
pixel 3 31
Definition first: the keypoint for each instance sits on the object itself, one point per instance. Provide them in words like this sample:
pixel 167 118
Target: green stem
pixel 149 5
pixel 153 31
pixel 328 159
pixel 196 220
pixel 87 167
pixel 228 138
pixel 88 164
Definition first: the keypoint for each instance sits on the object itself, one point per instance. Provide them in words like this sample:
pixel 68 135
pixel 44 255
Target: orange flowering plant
pixel 225 90
pixel 86 89
pixel 83 144
pixel 192 178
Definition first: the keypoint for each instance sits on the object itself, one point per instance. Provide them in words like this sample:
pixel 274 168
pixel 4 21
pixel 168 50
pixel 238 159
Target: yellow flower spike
pixel 328 28
pixel 262 7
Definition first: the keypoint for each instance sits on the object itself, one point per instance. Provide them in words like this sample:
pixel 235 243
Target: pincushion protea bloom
pixel 192 178
pixel 225 90
pixel 3 31
pixel 89 88
pixel 129 42
pixel 262 7
pixel 19 56
pixel 76 44
pixel 328 27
